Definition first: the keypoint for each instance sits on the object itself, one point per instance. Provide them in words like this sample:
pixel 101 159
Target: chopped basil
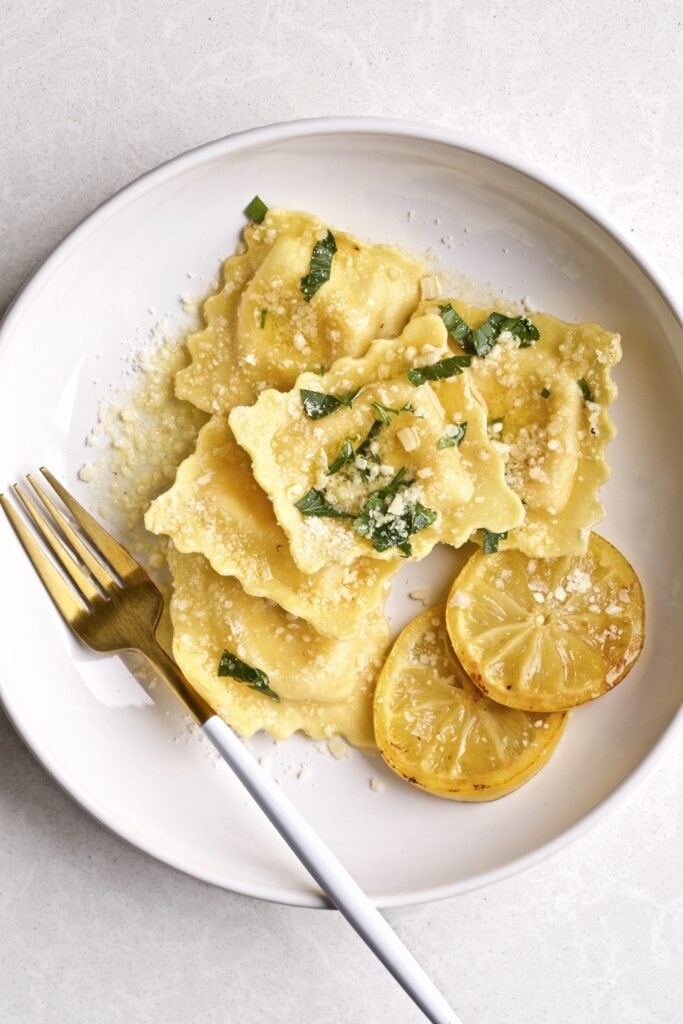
pixel 585 389
pixel 383 411
pixel 317 404
pixel 264 314
pixel 321 266
pixel 486 336
pixel 256 210
pixel 456 327
pixel 316 504
pixel 346 454
pixel 322 370
pixel 545 393
pixel 449 367
pixel 231 665
pixel 389 531
pixel 453 440
pixel 363 449
pixel 490 540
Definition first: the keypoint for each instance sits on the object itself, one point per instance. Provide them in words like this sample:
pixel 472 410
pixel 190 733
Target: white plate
pixel 91 723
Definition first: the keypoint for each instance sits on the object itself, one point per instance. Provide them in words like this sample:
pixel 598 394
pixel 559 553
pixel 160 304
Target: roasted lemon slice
pixel 438 731
pixel 548 633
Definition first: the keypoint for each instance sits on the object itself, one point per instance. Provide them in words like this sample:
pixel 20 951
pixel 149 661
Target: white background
pixel 91 95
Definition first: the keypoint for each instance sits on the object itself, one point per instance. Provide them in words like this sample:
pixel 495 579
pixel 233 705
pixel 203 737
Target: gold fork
pixel 112 605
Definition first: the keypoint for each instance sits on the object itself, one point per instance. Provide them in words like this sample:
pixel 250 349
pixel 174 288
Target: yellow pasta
pixel 553 399
pixel 325 686
pixel 293 453
pixel 216 508
pixel 261 332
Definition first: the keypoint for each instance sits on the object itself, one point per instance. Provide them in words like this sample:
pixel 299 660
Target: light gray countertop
pixel 93 95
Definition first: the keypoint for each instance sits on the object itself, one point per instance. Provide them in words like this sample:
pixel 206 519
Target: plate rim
pixel 260 136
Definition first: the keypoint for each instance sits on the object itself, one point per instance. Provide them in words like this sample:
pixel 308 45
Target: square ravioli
pixel 262 329
pixel 548 406
pixel 352 459
pixel 325 686
pixel 216 508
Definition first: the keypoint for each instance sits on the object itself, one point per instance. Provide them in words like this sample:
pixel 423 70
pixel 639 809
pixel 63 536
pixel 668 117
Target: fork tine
pixel 110 549
pixel 61 593
pixel 60 550
pixel 103 577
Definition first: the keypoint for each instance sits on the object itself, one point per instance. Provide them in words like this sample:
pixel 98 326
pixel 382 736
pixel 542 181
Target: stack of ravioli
pixel 352 427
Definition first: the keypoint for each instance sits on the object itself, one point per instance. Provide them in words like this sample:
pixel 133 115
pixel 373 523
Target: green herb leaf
pixel 387 531
pixel 316 504
pixel 346 454
pixel 264 314
pixel 231 665
pixel 545 393
pixel 363 449
pixel 256 210
pixel 453 440
pixel 321 266
pixel 486 336
pixel 449 367
pixel 585 389
pixel 317 404
pixel 383 411
pixel 491 539
pixel 457 328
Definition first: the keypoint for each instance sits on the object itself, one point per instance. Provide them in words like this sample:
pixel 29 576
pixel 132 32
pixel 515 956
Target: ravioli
pixel 325 686
pixel 293 454
pixel 552 437
pixel 216 508
pixel 493 505
pixel 261 332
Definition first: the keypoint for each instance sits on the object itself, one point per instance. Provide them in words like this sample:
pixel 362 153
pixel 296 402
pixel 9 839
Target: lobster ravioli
pixel 216 508
pixel 351 459
pixel 548 409
pixel 324 686
pixel 262 330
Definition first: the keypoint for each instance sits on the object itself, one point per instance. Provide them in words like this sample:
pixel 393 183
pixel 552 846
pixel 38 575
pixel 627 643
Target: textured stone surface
pixel 91 96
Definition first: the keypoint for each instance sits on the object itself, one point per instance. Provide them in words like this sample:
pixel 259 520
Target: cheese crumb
pixel 409 438
pixel 338 748
pixel 376 784
pixel 421 595
pixel 460 599
pixel 430 287
pixel 87 473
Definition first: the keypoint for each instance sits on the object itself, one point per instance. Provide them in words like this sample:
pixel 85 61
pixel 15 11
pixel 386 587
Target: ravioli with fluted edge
pixel 357 461
pixel 548 404
pixel 216 508
pixel 324 686
pixel 262 331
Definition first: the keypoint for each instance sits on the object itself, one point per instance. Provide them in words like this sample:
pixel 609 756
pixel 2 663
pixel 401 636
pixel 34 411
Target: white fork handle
pixel 332 878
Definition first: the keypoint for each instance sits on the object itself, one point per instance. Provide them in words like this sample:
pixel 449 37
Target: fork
pixel 112 605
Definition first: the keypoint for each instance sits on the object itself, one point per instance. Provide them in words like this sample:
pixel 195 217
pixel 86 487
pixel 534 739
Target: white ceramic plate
pixel 92 724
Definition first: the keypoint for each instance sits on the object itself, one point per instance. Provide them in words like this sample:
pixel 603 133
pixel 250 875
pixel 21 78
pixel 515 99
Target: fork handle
pixel 331 876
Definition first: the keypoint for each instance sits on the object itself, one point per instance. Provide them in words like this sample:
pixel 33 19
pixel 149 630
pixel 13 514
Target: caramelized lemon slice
pixel 438 731
pixel 549 633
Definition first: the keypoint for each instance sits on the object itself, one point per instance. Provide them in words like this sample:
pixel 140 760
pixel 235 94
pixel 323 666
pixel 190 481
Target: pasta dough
pixel 325 686
pixel 216 508
pixel 553 438
pixel 292 453
pixel 260 331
